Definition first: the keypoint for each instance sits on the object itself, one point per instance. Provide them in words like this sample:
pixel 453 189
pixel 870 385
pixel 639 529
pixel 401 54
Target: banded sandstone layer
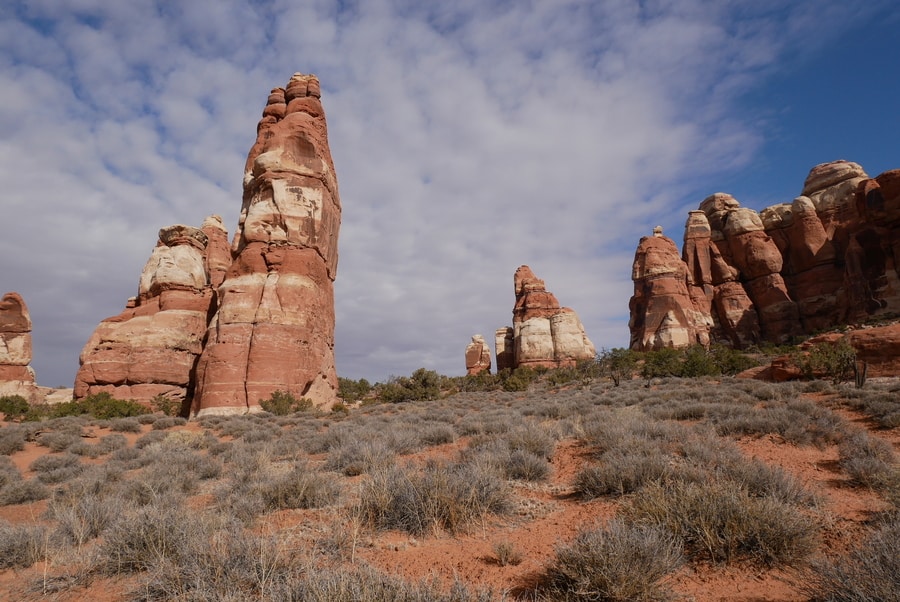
pixel 16 374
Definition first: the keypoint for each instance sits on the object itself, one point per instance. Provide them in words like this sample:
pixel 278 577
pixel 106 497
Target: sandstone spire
pixel 274 328
pixel 16 375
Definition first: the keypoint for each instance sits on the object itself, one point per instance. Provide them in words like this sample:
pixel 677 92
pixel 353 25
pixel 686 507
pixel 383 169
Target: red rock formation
pixel 544 334
pixel 662 311
pixel 152 347
pixel 478 356
pixel 16 375
pixel 274 328
pixel 831 257
pixel 505 344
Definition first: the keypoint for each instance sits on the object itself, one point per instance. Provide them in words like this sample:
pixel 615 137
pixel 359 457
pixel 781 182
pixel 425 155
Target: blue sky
pixel 468 138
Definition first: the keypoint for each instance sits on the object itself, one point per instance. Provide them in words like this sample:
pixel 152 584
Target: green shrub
pixel 422 385
pixel 836 361
pixel 617 563
pixel 618 364
pixel 99 405
pixel 13 406
pixel 282 403
pixel 353 390
pixel 661 363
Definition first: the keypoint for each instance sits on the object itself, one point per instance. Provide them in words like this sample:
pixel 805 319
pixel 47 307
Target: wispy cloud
pixel 468 137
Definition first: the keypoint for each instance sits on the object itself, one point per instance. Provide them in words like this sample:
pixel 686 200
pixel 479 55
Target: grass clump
pixel 616 563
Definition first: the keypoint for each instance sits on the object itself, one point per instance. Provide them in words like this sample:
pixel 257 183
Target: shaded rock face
pixel 505 345
pixel 152 347
pixel 478 356
pixel 543 332
pixel 16 374
pixel 274 326
pixel 828 258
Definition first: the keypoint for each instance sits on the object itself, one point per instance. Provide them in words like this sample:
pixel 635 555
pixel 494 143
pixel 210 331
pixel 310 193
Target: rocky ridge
pixel 827 259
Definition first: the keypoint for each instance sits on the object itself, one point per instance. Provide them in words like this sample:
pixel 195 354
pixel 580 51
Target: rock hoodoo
pixel 274 326
pixel 16 374
pixel 826 259
pixel 543 333
pixel 222 327
pixel 478 356
pixel 152 347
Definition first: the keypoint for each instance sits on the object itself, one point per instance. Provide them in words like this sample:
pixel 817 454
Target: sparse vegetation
pixel 282 403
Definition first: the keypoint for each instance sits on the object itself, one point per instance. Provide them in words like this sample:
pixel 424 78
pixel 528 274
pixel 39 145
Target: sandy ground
pixel 546 515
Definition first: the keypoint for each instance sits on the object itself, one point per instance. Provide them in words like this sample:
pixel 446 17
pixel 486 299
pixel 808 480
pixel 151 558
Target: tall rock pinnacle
pixel 274 328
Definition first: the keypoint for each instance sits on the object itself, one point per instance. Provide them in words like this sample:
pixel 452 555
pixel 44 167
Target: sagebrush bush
pixel 146 537
pixel 301 487
pixel 723 523
pixel 125 425
pixel 620 473
pixel 359 457
pixel 616 563
pixel 447 497
pixel 21 491
pixel 868 573
pixel 12 439
pixel 870 461
pixel 56 469
pixel 22 546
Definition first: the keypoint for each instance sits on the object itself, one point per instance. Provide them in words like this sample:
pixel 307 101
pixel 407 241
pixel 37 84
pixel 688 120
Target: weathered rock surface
pixel 829 258
pixel 274 327
pixel 152 347
pixel 16 374
pixel 544 333
pixel 478 356
pixel 505 345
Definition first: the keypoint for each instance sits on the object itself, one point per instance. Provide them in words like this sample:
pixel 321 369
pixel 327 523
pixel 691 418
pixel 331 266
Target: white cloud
pixel 468 137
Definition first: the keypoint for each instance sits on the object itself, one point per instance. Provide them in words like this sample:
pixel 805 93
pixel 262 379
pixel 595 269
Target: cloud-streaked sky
pixel 469 137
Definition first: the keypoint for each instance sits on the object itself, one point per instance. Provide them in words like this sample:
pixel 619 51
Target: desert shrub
pixel 421 385
pixel 282 403
pixel 125 425
pixel 365 584
pixel 661 363
pixel 868 460
pixel 150 438
pixel 617 563
pixel 58 441
pixel 437 434
pixel 146 418
pixel 524 466
pixel 359 457
pixel 507 554
pixel 618 364
pixel 353 390
pixel 721 522
pixel 130 457
pixel 868 573
pixel 146 537
pixel 837 361
pixel 519 379
pixel 166 405
pixel 301 487
pixel 100 405
pixel 882 406
pixel 13 406
pixel 56 469
pixel 21 491
pixel 340 408
pixel 83 511
pixel 12 439
pixel 446 497
pixel 619 473
pixel 731 361
pixel 799 421
pixel 167 422
pixel 22 546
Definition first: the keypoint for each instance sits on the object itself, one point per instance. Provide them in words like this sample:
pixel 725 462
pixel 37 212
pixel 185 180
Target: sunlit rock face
pixel 543 332
pixel 274 327
pixel 152 347
pixel 828 258
pixel 478 356
pixel 16 375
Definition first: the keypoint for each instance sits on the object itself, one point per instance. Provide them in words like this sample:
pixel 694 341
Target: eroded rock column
pixel 274 328
pixel 16 374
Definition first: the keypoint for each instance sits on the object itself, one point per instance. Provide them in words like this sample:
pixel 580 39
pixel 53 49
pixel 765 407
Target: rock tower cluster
pixel 543 333
pixel 828 258
pixel 222 329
